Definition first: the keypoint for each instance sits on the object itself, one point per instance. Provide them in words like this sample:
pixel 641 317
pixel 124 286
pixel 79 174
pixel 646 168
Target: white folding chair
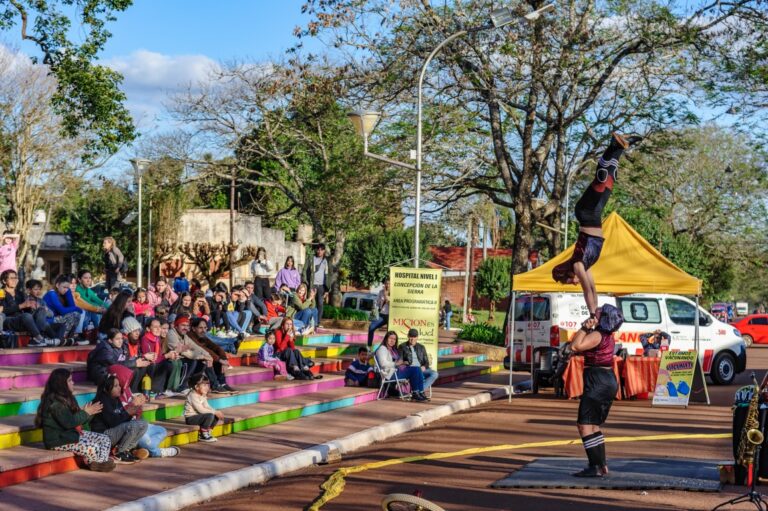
pixel 386 383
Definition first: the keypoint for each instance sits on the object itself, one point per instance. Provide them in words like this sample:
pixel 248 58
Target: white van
pixel 360 301
pixel 555 317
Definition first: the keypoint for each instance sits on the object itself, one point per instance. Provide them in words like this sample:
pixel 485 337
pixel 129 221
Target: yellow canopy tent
pixel 627 264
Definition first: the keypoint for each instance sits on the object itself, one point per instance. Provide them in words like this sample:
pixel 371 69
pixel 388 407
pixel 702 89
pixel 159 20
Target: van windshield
pixel 540 308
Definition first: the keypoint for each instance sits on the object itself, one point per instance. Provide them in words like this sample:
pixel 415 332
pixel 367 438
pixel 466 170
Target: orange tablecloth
pixel 573 378
pixel 640 375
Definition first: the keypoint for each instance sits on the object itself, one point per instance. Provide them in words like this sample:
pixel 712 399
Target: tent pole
pixel 696 328
pixel 530 335
pixel 511 313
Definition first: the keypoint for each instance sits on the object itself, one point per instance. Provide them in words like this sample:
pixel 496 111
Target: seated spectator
pixel 115 416
pixel 23 314
pixel 117 423
pixel 62 422
pixel 297 365
pixel 197 411
pixel 415 355
pixel 389 361
pixel 61 301
pixel 356 374
pixel 112 357
pixel 288 275
pixel 161 294
pixel 89 301
pixel 182 307
pixel 195 286
pixel 218 307
pixel 269 359
pixel 303 310
pixel 111 296
pixel 181 284
pixel 382 303
pixel 162 364
pixel 654 341
pixel 120 308
pixel 162 313
pixel 198 333
pixel 238 316
pixel 275 311
pixel 142 309
pixel 193 357
pixel 200 306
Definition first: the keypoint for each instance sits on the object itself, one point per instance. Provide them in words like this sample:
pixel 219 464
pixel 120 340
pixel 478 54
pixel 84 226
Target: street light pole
pixel 365 121
pixel 139 166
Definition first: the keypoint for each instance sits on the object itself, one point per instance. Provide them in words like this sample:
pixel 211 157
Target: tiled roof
pixel 454 258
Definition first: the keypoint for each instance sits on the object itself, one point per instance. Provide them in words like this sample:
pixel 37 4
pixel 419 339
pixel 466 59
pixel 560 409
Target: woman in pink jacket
pixel 8 252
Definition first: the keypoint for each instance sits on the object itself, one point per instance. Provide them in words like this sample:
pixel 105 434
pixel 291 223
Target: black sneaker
pixel 418 396
pixel 227 388
pixel 206 436
pixel 125 458
pixel 37 343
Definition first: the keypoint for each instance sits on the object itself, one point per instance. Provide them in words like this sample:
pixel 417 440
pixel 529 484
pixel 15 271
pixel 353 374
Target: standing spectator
pixel 114 261
pixel 447 313
pixel 317 275
pixel 415 355
pixel 261 269
pixel 382 303
pixel 8 252
pixel 181 284
pixel 23 314
pixel 61 301
pixel 356 374
pixel 161 294
pixel 268 358
pixel 62 422
pixel 93 306
pixel 197 411
pixel 288 275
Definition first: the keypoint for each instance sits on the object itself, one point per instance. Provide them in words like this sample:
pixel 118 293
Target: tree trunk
pixel 523 240
pixel 491 311
pixel 338 254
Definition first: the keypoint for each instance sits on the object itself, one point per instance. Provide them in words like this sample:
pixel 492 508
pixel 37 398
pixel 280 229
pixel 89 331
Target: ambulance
pixel 549 319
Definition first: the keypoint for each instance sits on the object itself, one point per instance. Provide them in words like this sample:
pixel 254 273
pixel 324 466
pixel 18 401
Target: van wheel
pixel 723 369
pixel 747 340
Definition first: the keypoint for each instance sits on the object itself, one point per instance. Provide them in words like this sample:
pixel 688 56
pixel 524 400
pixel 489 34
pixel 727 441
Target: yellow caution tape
pixel 334 485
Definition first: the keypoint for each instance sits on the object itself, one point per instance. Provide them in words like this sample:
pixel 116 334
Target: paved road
pixel 462 483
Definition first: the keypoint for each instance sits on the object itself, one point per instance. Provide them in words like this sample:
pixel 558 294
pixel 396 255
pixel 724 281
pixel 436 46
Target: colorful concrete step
pixel 33 356
pixel 29 462
pixel 461 360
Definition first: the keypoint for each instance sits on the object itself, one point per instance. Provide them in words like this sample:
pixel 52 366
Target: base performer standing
pixel 589 213
pixel 595 341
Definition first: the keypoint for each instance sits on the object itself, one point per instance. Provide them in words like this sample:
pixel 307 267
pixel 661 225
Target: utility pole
pixel 467 270
pixel 232 227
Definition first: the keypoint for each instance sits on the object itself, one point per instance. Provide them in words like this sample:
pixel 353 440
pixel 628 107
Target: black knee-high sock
pixel 601 453
pixel 592 445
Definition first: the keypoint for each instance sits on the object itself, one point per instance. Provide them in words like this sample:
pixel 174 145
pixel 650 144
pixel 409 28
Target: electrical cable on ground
pixel 334 485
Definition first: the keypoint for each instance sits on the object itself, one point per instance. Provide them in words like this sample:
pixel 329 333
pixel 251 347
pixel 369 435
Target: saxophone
pixel 751 436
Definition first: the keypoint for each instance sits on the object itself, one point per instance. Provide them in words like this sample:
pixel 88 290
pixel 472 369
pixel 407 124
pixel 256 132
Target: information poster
pixel 680 380
pixel 414 302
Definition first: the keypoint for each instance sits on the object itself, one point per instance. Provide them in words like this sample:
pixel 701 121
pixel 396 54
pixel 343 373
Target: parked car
pixel 555 317
pixel 753 328
pixel 361 301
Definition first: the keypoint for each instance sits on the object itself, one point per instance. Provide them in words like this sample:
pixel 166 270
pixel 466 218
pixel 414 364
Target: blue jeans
pixel 303 316
pixel 448 320
pixel 430 375
pixel 88 317
pixel 414 376
pixel 152 438
pixel 375 324
pixel 232 318
pixel 226 343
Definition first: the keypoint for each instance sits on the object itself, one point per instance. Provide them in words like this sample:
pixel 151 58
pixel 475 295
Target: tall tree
pixel 87 95
pixel 287 134
pixel 531 103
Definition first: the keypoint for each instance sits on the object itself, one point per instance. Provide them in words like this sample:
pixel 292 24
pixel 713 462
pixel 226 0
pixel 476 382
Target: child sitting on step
pixel 268 358
pixel 197 411
pixel 357 372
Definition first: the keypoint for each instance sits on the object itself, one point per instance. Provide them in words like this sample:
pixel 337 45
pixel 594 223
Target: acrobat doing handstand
pixel 589 213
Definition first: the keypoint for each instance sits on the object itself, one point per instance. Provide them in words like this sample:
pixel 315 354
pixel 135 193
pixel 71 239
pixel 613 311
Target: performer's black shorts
pixel 600 389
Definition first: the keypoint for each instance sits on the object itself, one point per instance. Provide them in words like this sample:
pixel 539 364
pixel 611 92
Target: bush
pixel 331 312
pixel 486 334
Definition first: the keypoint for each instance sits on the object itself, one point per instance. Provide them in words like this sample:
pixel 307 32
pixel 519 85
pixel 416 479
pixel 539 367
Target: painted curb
pixel 212 487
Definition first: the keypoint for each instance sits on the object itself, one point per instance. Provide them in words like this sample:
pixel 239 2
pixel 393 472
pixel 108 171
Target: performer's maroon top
pixel 602 354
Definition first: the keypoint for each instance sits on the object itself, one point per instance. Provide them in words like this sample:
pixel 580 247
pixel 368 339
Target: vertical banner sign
pixel 414 302
pixel 680 380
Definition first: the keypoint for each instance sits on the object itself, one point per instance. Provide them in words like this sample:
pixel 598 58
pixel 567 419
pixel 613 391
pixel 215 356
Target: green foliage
pixel 342 313
pixel 88 95
pixel 492 279
pixel 486 334
pixel 370 255
pixel 93 213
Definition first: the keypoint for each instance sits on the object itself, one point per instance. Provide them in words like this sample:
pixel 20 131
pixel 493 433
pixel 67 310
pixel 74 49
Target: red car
pixel 753 328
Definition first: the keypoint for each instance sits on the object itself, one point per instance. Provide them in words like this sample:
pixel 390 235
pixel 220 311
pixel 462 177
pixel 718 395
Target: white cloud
pixel 151 78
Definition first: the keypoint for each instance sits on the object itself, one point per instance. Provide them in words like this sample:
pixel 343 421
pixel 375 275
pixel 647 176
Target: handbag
pixel 9 340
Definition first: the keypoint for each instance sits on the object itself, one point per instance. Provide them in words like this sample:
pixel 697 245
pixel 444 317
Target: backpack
pixel 123 269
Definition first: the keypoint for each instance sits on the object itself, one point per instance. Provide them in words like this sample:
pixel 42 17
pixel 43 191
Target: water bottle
pixel 146 385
